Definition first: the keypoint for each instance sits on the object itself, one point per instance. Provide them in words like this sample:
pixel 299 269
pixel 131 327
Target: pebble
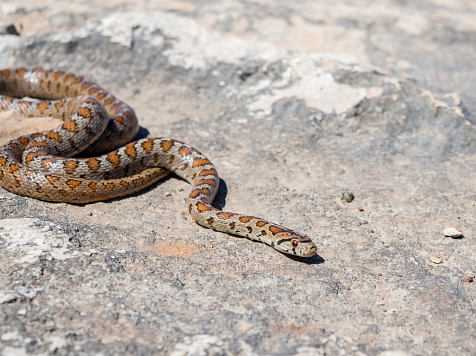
pixel 347 196
pixel 168 194
pixel 89 213
pixel 8 29
pixel 436 260
pixel 452 232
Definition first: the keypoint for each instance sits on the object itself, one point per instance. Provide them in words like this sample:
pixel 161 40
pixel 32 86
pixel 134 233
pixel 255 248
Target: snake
pixel 90 156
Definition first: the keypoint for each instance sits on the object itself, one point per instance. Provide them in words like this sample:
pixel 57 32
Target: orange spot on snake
pixel 119 119
pixel 84 111
pixel 92 90
pixel 93 186
pixel 6 73
pixel 68 77
pixel 23 141
pixel 208 172
pixel 198 162
pixel 275 230
pixel 196 192
pixel 90 100
pixel 93 165
pixel 100 96
pixel 73 183
pixel 59 105
pixel 184 151
pixel 55 136
pixel 70 166
pixel 40 144
pixel 124 184
pixel 52 179
pixel 211 182
pixel 21 71
pixel 13 168
pixel 245 219
pixel 147 146
pixel 166 145
pixel 137 181
pixel 7 101
pixel 109 101
pixel 225 215
pixel 32 155
pixel 85 86
pixel 57 75
pixel 24 103
pixel 42 106
pixel 113 158
pixel 109 186
pixel 78 80
pixel 202 207
pixel 130 150
pixel 261 223
pixel 71 126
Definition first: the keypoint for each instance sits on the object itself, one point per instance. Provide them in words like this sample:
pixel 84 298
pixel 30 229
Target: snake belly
pixel 40 165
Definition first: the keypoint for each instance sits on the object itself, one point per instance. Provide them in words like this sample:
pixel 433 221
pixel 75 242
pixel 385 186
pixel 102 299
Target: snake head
pixel 294 244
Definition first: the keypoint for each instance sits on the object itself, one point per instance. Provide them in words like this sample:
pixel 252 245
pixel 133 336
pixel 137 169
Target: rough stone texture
pixel 295 103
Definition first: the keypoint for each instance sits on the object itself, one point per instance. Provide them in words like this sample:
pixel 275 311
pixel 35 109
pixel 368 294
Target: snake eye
pixel 294 243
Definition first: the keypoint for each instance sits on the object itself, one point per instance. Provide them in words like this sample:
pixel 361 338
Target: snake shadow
pixel 142 133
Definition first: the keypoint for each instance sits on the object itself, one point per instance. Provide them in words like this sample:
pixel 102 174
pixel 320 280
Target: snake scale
pixel 40 165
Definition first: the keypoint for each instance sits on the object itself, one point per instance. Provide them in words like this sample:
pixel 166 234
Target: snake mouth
pixel 311 252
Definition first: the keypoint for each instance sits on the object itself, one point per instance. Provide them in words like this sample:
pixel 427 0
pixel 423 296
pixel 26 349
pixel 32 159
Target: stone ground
pixel 295 103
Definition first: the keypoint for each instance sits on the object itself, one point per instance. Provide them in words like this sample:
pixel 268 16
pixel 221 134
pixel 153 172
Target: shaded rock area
pixel 298 104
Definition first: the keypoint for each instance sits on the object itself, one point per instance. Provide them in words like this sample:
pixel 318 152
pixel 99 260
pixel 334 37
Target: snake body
pixel 39 165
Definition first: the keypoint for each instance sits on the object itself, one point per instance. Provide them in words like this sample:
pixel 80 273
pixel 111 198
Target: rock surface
pixel 294 103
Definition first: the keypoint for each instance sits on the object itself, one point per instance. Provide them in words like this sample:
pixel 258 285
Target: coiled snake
pixel 36 166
